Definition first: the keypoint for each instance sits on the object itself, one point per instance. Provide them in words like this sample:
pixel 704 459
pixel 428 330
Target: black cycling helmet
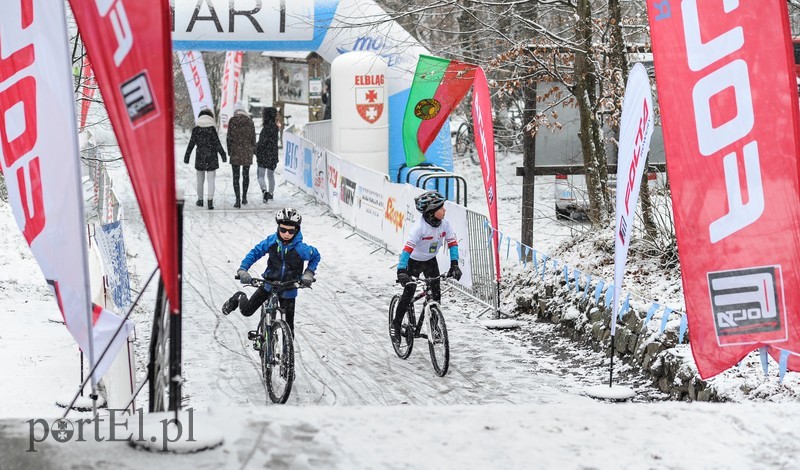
pixel 429 201
pixel 288 216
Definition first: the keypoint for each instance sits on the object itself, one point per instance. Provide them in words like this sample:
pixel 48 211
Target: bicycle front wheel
pixel 438 343
pixel 406 344
pixel 278 360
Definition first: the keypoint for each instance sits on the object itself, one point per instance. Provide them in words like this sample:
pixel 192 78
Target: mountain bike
pixel 438 343
pixel 274 342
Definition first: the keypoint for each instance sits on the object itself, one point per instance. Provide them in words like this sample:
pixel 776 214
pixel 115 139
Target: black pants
pixel 249 306
pixel 431 269
pixel 245 180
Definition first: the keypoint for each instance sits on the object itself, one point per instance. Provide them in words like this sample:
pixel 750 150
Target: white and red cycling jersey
pixel 424 240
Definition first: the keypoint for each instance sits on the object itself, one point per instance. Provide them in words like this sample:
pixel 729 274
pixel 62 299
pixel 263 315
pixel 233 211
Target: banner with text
pixel 729 110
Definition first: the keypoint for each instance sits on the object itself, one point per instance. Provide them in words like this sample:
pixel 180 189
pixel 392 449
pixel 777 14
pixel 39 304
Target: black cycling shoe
pixel 232 303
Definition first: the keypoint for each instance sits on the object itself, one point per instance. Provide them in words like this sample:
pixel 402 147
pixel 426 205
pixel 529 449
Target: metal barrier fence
pixel 319 132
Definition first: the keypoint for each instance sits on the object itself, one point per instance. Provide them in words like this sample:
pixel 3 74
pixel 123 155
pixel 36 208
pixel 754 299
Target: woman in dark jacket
pixel 267 152
pixel 241 147
pixel 204 136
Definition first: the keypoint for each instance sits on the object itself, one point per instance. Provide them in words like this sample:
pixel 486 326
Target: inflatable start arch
pixel 326 27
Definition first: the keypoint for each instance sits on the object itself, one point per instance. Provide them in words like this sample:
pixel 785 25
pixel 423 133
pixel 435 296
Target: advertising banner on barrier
pixel 112 249
pixel 40 161
pixel 398 214
pixel 457 216
pixel 348 175
pixel 635 130
pixel 130 48
pixel 308 168
pixel 332 174
pixel 319 175
pixel 293 158
pixel 728 99
pixel 194 73
pixel 370 201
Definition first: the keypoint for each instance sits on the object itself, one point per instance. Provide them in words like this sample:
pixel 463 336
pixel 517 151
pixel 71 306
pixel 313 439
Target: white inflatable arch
pixel 327 27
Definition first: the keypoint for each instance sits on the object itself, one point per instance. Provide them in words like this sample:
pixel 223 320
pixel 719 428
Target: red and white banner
pixel 194 72
pixel 484 142
pixel 635 130
pixel 130 49
pixel 41 164
pixel 728 98
pixel 88 89
pixel 230 88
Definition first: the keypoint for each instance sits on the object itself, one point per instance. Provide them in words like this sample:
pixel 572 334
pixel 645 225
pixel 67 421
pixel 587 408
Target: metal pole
pixel 611 368
pixel 175 338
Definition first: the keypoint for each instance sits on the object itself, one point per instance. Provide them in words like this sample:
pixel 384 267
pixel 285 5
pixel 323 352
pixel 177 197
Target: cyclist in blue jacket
pixel 426 236
pixel 287 254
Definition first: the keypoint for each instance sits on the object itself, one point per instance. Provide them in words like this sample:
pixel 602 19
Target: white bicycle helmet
pixel 288 216
pixel 429 201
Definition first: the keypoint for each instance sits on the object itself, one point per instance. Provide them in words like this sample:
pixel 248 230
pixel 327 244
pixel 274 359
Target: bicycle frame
pixel 427 303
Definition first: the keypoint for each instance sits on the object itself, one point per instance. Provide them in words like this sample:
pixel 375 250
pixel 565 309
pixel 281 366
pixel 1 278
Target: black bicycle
pixel 274 342
pixel 438 343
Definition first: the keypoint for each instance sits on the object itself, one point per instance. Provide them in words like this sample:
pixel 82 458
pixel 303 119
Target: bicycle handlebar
pixel 426 280
pixel 277 285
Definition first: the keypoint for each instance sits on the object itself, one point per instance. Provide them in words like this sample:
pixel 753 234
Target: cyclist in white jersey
pixel 427 235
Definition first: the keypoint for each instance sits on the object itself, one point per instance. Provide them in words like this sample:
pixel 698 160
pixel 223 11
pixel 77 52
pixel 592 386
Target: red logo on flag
pixel 369 103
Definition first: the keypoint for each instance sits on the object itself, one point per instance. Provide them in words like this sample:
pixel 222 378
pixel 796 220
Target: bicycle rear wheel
pixel 279 371
pixel 438 343
pixel 403 349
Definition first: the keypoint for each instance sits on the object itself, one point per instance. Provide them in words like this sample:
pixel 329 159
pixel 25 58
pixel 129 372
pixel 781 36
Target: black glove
pixel 186 160
pixel 307 278
pixel 244 276
pixel 402 277
pixel 455 271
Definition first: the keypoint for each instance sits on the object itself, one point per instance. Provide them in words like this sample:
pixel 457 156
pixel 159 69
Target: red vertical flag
pixel 484 143
pixel 130 48
pixel 729 110
pixel 88 88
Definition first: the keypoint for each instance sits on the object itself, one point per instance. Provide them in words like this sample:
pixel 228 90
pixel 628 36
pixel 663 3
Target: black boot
pixel 237 204
pixel 269 196
pixel 210 204
pixel 245 185
pixel 244 199
pixel 265 195
pixel 199 203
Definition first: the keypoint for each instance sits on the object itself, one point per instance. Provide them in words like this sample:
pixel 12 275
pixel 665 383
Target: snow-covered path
pixel 343 353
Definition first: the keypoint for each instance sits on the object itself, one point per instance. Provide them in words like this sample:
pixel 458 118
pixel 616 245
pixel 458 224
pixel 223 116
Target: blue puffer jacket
pixel 285 261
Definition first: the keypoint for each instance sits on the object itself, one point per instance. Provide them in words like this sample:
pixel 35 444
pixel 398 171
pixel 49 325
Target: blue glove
pixel 307 278
pixel 244 276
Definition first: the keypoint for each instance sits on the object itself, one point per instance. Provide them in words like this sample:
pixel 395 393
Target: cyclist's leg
pixel 288 308
pixel 414 268
pixel 431 269
pixel 249 306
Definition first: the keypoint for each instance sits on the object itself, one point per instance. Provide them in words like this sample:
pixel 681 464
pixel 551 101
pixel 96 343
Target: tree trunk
pixel 585 91
pixel 528 165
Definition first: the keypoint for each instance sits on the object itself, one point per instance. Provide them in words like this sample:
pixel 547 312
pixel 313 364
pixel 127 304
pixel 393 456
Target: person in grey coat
pixel 267 152
pixel 241 142
pixel 204 136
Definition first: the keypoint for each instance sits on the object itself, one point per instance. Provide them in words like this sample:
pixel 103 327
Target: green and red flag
pixel 439 85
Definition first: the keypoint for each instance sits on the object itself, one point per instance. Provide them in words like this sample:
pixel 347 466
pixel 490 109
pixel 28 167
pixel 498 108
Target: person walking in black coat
pixel 267 152
pixel 241 148
pixel 204 136
pixel 326 98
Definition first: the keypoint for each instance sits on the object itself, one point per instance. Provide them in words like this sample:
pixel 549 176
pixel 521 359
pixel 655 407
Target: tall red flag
pixel 729 110
pixel 130 48
pixel 89 87
pixel 484 143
